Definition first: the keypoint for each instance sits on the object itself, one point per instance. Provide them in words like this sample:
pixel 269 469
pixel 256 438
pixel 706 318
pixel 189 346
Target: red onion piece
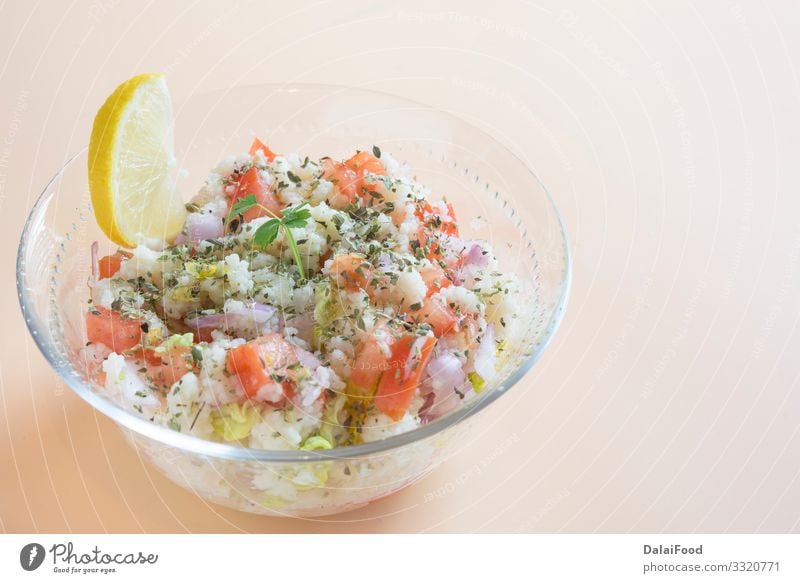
pixel 445 379
pixel 260 313
pixel 424 412
pixel 203 226
pixel 476 255
pixel 383 261
pixel 307 359
pixel 207 321
pixel 304 324
pixel 252 312
pixel 475 259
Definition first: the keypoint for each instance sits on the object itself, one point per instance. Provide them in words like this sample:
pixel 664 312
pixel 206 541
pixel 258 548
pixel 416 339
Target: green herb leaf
pixel 296 216
pixel 293 217
pixel 266 233
pixel 297 211
pixel 377 151
pixel 293 177
pixel 296 222
pixel 241 206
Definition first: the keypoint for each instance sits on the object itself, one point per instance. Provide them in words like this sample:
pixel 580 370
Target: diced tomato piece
pixel 110 328
pixel 410 355
pixel 367 368
pixel 165 368
pixel 345 181
pixel 435 278
pixel 351 271
pixel 370 362
pixel 349 177
pixel 450 226
pixel 434 223
pixel 259 145
pixel 362 163
pixel 427 239
pixel 366 162
pixel 324 257
pixel 202 334
pixel 109 265
pixel 250 183
pixel 261 362
pixel 245 362
pixel 437 315
pixel 435 219
pixel 435 252
pixel 423 208
pixel 278 354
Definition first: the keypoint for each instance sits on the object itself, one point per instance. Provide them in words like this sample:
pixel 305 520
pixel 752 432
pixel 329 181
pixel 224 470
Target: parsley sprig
pixel 293 217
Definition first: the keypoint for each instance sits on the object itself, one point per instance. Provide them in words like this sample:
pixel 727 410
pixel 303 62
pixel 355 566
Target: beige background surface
pixel 669 135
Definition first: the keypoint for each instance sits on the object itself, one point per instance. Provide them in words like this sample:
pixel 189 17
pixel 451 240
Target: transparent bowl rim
pixel 207 448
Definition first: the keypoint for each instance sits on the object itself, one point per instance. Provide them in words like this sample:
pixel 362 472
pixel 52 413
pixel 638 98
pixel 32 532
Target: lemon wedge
pixel 132 164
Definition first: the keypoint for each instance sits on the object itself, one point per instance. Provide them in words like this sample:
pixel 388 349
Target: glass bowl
pixel 496 197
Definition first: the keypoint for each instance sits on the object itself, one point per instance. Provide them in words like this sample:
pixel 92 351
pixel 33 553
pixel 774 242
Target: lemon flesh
pixel 132 164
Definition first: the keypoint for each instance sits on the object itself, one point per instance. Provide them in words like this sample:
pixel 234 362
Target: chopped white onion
pixel 485 356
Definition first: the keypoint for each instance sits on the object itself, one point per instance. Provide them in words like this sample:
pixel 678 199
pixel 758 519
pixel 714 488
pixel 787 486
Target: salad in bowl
pixel 308 331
